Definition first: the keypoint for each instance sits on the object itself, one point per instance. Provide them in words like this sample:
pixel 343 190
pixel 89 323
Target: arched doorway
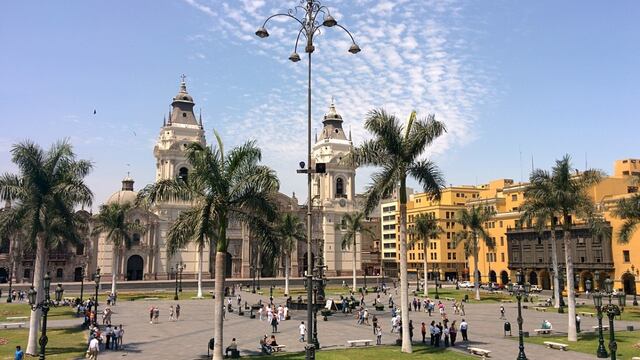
pixel 492 276
pixel 533 278
pixel 545 279
pixel 4 275
pixel 629 283
pixel 304 262
pixel 77 274
pixel 504 277
pixel 135 266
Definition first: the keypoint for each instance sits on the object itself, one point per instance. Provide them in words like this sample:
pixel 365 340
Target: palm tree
pixel 221 187
pixel 290 230
pixel 397 149
pixel 472 220
pixel 353 226
pixel 628 209
pixel 540 212
pixel 45 191
pixel 426 227
pixel 112 220
pixel 566 188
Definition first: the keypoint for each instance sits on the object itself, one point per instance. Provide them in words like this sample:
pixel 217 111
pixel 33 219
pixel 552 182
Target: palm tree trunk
pixel 554 260
pixel 200 261
pixel 38 284
pixel 114 269
pixel 404 285
pixel 286 273
pixel 218 304
pixel 426 271
pixel 476 275
pixel 572 334
pixel 353 263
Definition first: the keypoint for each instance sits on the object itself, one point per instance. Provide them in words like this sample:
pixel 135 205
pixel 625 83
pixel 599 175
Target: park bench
pixel 11 325
pixel 585 313
pixel 151 299
pixel 279 348
pixel 353 343
pixel 17 317
pixel 555 345
pixel 507 300
pixel 635 358
pixel 540 308
pixel 477 351
pixel 604 327
pixel 449 299
pixel 543 331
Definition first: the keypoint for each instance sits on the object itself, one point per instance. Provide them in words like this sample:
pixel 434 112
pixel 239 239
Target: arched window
pixel 183 174
pixel 135 239
pixel 59 273
pixel 340 187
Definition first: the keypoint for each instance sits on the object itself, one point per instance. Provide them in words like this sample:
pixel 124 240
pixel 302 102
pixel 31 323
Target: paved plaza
pixel 188 338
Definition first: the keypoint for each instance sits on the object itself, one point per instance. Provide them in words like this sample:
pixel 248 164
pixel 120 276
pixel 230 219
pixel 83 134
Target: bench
pixel 507 300
pixel 279 348
pixel 477 351
pixel 449 299
pixel 584 313
pixel 353 343
pixel 635 358
pixel 540 308
pixel 151 299
pixel 604 327
pixel 555 345
pixel 17 317
pixel 543 331
pixel 12 325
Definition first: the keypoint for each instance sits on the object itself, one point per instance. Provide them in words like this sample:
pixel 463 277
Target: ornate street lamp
pixel 44 305
pixel 519 290
pixel 81 283
pixel 253 281
pixel 180 269
pixel 313 16
pixel 436 277
pixel 597 301
pixel 175 273
pixel 612 311
pixel 561 276
pixel 97 280
pixel 10 283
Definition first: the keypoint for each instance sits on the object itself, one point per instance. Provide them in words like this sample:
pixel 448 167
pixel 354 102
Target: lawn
pixel 23 309
pixel 377 352
pixel 63 343
pixel 628 342
pixel 629 313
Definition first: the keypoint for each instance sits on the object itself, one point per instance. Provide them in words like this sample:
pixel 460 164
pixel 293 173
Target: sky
pixel 516 83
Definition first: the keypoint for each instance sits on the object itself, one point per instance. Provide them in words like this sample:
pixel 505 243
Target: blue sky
pixel 512 80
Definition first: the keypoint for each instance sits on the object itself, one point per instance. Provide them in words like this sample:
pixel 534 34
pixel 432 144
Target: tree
pixel 628 209
pixel 426 227
pixel 290 230
pixel 567 189
pixel 112 220
pixel 48 186
pixel 222 187
pixel 352 225
pixel 472 220
pixel 540 212
pixel 397 149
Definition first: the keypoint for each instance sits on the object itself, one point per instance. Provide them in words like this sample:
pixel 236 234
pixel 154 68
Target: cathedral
pixel 333 195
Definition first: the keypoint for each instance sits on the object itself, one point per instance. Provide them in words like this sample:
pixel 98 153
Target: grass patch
pixel 629 314
pixel 628 342
pixel 376 352
pixel 23 309
pixel 63 343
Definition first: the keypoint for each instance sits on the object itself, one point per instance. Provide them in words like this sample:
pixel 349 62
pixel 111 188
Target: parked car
pixel 466 284
pixel 535 289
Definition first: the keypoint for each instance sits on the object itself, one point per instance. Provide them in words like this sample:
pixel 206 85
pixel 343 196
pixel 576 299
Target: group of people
pixel 108 338
pixel 154 313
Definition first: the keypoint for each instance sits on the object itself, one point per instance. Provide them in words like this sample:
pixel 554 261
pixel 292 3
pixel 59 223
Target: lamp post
pixel 180 268
pixel 436 277
pixel 561 288
pixel 10 293
pixel 519 290
pixel 175 273
pixel 81 283
pixel 253 281
pixel 44 305
pixel 97 280
pixel 310 25
pixel 612 311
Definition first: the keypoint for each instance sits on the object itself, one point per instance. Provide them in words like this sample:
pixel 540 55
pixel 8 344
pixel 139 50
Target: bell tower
pixel 334 193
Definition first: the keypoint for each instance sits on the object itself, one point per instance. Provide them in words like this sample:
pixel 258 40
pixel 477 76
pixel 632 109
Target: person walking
pixel 437 332
pixel 502 312
pixel 464 326
pixel 19 354
pixel 374 322
pixel 177 312
pixel 274 324
pixel 156 314
pixel 171 318
pixel 453 332
pixel 302 330
pixel 151 315
pixel 423 330
pixel 378 331
pixel 462 313
pixel 411 331
pixel 94 349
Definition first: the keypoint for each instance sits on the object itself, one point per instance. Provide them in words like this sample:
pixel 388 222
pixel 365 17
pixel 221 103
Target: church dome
pixel 125 195
pixel 183 95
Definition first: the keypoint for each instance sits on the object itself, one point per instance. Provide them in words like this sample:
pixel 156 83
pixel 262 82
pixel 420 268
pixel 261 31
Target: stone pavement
pixel 188 338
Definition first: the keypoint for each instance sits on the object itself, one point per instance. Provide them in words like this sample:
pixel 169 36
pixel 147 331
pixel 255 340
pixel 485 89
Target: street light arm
pixel 347 31
pixel 283 14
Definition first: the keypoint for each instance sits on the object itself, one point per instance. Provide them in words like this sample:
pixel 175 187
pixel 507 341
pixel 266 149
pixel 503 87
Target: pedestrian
pixel 446 336
pixel 19 354
pixel 94 349
pixel 378 332
pixel 151 315
pixel 462 309
pixel 171 318
pixel 436 335
pixel 423 330
pixel 274 324
pixel 302 329
pixel 115 338
pixel 453 332
pixel 502 312
pixel 463 330
pixel 365 316
pixel 108 333
pixel 156 314
pixel 411 331
pixel 374 322
pixel 260 313
pixel 177 312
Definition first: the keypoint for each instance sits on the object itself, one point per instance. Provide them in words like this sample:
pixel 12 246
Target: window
pixel 448 256
pixel 80 249
pixel 626 256
pixel 183 174
pixel 59 273
pixel 135 239
pixel 339 187
pixel 500 222
pixel 26 274
pixel 454 256
pixel 514 197
pixel 502 257
pixel 502 241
